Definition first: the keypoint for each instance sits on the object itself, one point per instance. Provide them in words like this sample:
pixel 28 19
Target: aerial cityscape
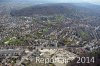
pixel 49 33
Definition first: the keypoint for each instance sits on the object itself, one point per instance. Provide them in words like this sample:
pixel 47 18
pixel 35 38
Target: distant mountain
pixel 17 4
pixel 69 9
pixel 26 1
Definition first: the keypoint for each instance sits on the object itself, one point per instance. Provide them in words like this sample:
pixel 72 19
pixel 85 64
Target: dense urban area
pixel 49 31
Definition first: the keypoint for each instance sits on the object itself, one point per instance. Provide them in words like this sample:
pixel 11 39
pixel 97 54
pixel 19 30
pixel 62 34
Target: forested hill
pixel 69 9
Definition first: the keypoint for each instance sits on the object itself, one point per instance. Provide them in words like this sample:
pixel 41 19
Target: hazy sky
pixel 93 1
pixel 78 1
pixel 67 1
pixel 59 1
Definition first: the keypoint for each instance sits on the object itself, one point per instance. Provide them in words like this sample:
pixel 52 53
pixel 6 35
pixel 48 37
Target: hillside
pixel 69 9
